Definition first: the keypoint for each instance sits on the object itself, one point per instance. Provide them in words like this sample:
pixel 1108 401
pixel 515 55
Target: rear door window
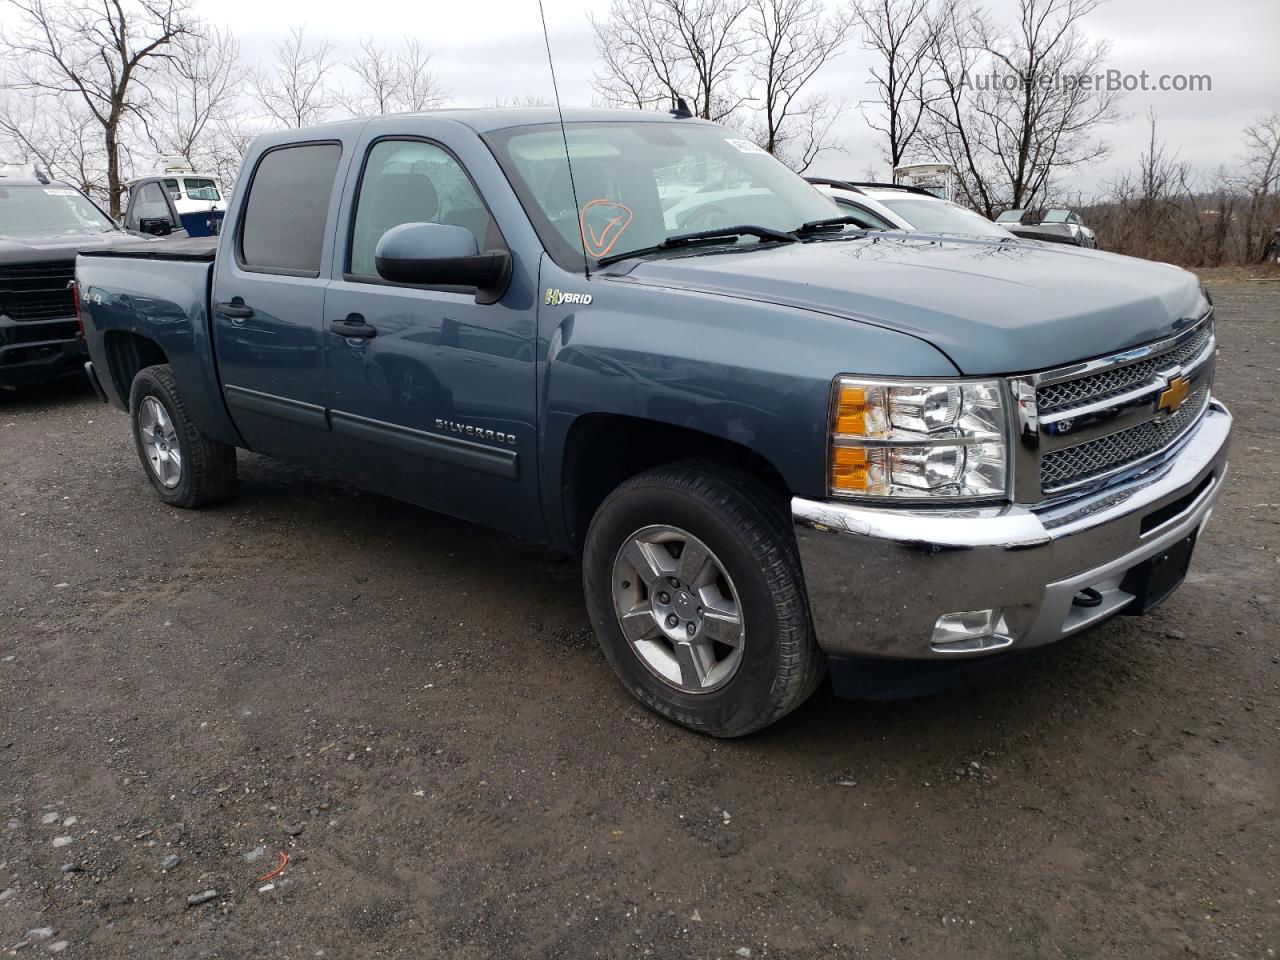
pixel 282 228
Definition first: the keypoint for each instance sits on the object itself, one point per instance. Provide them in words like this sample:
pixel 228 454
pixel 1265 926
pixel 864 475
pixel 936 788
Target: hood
pixel 993 307
pixel 14 250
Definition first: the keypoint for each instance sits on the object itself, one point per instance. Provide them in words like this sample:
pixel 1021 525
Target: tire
pixel 205 468
pixel 748 535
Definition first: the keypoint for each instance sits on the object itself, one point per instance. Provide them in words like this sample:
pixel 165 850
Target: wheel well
pixel 603 450
pixel 127 353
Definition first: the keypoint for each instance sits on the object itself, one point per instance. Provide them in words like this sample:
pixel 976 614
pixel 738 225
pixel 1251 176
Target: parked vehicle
pixel 781 445
pixel 175 205
pixel 1054 225
pixel 892 206
pixel 43 224
pixel 938 178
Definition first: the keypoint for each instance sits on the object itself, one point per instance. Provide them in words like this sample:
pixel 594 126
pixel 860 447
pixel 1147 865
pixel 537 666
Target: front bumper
pixel 878 579
pixel 38 351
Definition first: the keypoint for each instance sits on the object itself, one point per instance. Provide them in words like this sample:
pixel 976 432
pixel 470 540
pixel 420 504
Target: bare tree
pixel 1152 199
pixel 223 150
pixel 294 90
pixel 1159 171
pixel 195 93
pixel 654 50
pixel 1017 104
pixel 810 131
pixel 1260 183
pixel 379 81
pixel 101 54
pixel 522 100
pixel 626 77
pixel 421 89
pixel 57 134
pixel 792 41
pixel 389 82
pixel 900 34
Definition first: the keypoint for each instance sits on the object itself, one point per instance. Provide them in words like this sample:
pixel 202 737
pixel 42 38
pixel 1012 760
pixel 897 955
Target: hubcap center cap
pixel 686 606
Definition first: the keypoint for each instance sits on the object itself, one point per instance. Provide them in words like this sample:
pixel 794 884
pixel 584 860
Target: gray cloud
pixel 495 50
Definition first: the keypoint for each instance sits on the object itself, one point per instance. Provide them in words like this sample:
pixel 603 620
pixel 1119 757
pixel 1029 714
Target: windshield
pixel 201 189
pixel 941 216
pixel 1010 216
pixel 44 211
pixel 639 183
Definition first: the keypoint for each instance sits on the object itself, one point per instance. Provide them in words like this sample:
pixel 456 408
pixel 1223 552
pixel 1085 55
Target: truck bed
pixel 157 291
pixel 199 249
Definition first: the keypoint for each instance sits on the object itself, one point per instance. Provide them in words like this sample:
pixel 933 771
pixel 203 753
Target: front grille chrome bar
pixel 1080 426
pixel 1073 468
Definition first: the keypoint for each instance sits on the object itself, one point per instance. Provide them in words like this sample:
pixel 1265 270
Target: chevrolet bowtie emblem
pixel 1172 396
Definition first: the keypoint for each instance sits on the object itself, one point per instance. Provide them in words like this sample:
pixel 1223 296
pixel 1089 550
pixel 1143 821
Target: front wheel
pixel 186 468
pixel 694 589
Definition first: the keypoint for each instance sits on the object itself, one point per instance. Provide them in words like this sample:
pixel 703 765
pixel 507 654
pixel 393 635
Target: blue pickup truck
pixel 783 446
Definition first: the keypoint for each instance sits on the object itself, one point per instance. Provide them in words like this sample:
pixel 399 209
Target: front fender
pixel 755 374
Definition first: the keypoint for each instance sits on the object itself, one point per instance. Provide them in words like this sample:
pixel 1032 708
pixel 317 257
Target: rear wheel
pixel 695 593
pixel 186 468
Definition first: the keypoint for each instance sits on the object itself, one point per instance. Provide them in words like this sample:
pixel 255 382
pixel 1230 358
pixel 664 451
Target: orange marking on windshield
pixel 610 219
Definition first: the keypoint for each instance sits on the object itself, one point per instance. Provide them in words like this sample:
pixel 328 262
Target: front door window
pixel 407 181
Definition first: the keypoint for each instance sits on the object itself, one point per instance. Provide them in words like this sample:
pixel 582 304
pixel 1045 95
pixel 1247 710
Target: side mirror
pixel 440 254
pixel 156 226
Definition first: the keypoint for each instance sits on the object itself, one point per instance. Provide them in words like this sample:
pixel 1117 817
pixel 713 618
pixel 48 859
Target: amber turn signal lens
pixel 850 470
pixel 851 411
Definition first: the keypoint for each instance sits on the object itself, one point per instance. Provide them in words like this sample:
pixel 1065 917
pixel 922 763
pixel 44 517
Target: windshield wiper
pixel 813 226
pixel 703 236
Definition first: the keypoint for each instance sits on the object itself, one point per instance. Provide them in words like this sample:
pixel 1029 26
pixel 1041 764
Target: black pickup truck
pixel 43 225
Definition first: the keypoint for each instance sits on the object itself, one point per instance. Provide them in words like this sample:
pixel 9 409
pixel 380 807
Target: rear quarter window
pixel 282 229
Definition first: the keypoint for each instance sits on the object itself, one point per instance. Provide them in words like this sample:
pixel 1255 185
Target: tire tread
pixel 756 515
pixel 210 464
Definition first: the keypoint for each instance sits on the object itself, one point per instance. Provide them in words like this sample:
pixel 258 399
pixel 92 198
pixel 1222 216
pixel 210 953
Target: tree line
pixel 1164 209
pixel 93 91
pixel 90 92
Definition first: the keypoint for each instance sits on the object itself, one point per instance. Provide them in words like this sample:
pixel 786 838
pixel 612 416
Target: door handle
pixel 354 326
pixel 235 309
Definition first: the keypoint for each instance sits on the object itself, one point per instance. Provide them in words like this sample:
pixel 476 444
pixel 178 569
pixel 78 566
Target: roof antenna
pixel 682 111
pixel 573 187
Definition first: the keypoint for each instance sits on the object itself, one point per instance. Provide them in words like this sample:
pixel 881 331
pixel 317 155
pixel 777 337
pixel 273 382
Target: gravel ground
pixel 413 711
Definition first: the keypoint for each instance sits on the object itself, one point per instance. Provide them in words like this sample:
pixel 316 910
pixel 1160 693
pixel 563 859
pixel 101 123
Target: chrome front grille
pixel 1081 425
pixel 1096 458
pixel 1116 380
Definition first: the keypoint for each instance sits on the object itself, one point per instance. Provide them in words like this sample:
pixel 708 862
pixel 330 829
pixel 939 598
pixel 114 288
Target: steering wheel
pixel 706 218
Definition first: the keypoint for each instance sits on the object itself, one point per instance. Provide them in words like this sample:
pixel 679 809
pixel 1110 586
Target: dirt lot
pixel 413 710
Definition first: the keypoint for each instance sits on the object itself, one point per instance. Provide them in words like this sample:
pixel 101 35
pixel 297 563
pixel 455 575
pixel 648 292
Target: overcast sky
pixel 493 49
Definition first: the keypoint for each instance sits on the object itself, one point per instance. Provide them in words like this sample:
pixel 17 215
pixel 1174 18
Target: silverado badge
pixel 1173 395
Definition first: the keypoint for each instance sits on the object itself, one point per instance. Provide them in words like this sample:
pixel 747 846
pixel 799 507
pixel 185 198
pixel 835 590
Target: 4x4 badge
pixel 554 297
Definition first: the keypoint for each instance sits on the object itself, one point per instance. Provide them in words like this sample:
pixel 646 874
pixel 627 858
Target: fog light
pixel 970 631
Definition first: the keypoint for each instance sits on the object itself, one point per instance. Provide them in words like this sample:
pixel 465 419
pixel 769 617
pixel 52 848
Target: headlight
pixel 937 439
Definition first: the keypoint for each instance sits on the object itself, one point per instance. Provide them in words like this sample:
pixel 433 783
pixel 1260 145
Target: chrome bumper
pixel 878 579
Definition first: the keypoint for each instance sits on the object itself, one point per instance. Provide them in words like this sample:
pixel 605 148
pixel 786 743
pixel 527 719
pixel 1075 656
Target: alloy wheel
pixel 678 608
pixel 160 442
